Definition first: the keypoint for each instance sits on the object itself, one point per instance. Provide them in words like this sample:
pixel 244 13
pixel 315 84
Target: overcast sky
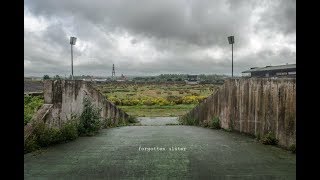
pixel 151 37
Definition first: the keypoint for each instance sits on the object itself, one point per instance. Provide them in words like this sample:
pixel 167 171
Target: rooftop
pixel 270 68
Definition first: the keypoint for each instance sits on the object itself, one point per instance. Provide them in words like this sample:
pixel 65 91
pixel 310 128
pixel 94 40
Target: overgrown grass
pixel 163 99
pixel 44 136
pixel 157 111
pixel 189 121
pixel 31 105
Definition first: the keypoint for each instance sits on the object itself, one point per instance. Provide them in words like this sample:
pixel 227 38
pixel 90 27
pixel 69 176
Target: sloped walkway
pixel 161 152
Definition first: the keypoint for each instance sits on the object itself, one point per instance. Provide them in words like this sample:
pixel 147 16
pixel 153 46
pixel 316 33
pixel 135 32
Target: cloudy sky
pixel 151 37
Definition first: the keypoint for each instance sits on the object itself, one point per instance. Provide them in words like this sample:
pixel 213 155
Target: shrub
pixel 47 136
pixel 174 99
pixel 107 122
pixel 189 121
pixel 215 123
pixel 269 139
pixel 44 136
pixel 69 131
pixel 89 119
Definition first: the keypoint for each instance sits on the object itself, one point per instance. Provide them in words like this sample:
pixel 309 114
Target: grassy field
pixel 156 110
pixel 156 99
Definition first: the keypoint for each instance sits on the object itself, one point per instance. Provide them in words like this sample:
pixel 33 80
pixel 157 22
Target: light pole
pixel 72 42
pixel 231 41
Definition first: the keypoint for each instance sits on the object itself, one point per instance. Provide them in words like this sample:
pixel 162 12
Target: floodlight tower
pixel 231 41
pixel 72 42
pixel 113 72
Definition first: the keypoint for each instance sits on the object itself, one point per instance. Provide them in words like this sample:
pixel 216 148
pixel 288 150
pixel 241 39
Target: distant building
pixel 99 80
pixel 122 78
pixel 192 79
pixel 288 70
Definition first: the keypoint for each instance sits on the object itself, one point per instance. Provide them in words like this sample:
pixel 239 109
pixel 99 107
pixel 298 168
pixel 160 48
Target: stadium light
pixel 231 41
pixel 72 42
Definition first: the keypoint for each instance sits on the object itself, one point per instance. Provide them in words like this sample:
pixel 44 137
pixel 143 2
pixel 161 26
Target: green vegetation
pixel 44 136
pixel 89 120
pixel 46 77
pixel 87 124
pixel 157 110
pixel 156 99
pixel 189 121
pixel 176 78
pixel 269 139
pixel 31 105
pixel 215 123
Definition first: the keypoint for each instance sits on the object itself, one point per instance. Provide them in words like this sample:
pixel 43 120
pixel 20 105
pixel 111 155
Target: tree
pixel 46 77
pixel 56 77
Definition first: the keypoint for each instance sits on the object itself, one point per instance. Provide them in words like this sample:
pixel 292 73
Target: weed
pixel 269 139
pixel 69 131
pixel 215 123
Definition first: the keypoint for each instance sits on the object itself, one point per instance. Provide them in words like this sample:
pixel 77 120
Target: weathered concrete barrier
pixel 253 106
pixel 64 98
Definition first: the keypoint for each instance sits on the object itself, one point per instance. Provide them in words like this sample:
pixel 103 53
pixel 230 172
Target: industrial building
pixel 288 70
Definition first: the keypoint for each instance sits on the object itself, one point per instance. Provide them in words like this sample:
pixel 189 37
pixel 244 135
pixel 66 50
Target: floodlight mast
pixel 231 41
pixel 72 42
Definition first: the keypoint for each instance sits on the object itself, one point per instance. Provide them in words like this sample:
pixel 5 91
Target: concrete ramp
pixel 64 99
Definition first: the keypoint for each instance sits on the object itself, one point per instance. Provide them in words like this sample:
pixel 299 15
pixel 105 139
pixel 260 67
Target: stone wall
pixel 254 106
pixel 64 98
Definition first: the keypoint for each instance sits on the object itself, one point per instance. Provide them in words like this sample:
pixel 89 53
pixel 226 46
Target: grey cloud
pixel 280 16
pixel 170 27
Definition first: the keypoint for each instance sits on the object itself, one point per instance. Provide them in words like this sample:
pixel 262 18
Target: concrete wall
pixel 64 98
pixel 67 97
pixel 254 106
